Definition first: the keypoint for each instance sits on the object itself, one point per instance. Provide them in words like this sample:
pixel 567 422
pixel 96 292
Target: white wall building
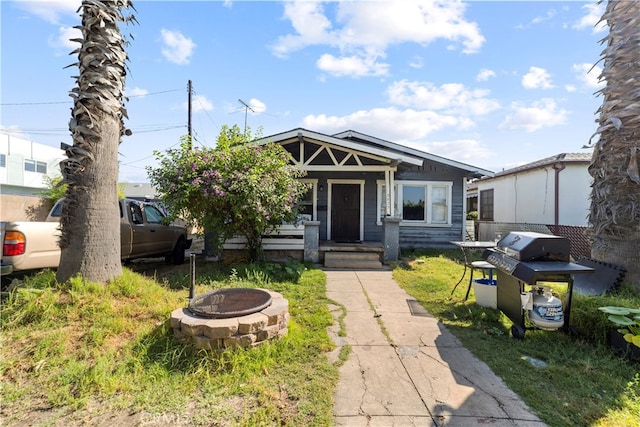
pixel 551 191
pixel 25 164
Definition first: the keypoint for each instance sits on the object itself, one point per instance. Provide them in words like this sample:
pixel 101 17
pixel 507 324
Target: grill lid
pixel 529 246
pixel 230 302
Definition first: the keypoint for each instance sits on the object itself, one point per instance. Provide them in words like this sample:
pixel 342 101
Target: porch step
pixel 354 260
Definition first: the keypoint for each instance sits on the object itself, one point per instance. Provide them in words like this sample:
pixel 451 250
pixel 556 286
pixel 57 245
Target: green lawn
pixel 583 382
pixel 83 353
pixel 88 353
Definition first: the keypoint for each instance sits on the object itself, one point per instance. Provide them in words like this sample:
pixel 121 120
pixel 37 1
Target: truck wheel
pixel 517 332
pixel 177 256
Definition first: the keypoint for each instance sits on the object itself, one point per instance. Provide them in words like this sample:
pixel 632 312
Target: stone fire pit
pixel 217 327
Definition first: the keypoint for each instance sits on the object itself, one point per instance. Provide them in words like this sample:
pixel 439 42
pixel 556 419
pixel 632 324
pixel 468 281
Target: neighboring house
pixel 24 166
pixel 554 190
pixel 139 191
pixel 551 195
pixel 359 182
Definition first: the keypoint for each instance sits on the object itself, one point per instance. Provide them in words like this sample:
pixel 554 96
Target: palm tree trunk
pixel 90 222
pixel 615 197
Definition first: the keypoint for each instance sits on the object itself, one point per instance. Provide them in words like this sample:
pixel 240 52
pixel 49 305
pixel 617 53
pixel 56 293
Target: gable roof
pixel 578 158
pixel 358 141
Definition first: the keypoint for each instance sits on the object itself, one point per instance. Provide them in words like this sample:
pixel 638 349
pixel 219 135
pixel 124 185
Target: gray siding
pixel 435 237
pixel 410 237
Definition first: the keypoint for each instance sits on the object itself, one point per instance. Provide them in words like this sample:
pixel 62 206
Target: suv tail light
pixel 14 243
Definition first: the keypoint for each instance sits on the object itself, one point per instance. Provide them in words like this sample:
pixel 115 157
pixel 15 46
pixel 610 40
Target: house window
pixel 3 161
pixel 418 202
pixel 307 206
pixel 35 166
pixel 486 205
pixel 439 205
pixel 413 203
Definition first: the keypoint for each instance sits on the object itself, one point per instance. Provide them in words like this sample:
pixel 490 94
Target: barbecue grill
pixel 524 259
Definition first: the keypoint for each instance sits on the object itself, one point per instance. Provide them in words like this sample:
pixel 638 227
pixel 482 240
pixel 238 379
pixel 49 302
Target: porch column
pixel 391 239
pixel 312 241
pixel 389 184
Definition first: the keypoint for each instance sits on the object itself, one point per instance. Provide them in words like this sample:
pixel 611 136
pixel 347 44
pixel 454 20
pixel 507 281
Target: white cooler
pixel 486 292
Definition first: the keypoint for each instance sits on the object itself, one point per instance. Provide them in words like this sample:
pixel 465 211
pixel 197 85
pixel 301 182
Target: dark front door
pixel 345 212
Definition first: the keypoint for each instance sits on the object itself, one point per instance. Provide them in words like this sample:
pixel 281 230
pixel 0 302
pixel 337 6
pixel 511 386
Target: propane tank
pixel 547 311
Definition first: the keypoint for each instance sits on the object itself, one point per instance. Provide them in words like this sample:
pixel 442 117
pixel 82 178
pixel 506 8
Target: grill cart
pixel 522 259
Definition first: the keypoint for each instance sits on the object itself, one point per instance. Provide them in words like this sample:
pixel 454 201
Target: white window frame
pixel 37 164
pixel 428 186
pixel 314 188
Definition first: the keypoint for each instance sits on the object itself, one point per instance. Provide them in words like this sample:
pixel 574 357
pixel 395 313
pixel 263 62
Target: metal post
pixel 192 270
pixel 189 91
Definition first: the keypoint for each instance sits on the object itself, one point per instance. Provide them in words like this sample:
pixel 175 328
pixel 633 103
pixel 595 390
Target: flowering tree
pixel 235 189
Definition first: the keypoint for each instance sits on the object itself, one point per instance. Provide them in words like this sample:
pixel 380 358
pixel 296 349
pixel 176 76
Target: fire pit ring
pixel 247 330
pixel 229 302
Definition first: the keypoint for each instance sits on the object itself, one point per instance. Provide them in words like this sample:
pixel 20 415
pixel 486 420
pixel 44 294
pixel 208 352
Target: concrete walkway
pixel 406 369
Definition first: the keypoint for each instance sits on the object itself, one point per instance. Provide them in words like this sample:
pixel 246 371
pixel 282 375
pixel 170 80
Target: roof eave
pixel 304 133
pixel 472 171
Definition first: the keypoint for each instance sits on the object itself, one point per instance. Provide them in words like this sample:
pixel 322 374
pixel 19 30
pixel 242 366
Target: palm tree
pixel 90 224
pixel 615 196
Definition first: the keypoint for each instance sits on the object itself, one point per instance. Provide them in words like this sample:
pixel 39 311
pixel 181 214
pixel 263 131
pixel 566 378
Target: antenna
pixel 246 108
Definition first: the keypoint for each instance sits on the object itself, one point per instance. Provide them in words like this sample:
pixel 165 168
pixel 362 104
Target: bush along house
pixel 369 197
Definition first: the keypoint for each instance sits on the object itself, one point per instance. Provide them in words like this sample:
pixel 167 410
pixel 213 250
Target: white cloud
pixel 176 47
pixel 588 74
pixel 416 62
pixel 485 74
pixel 594 13
pixel 551 13
pixel 366 29
pixel 388 123
pixel 137 92
pixel 63 39
pixel 449 97
pixel 462 150
pixel 199 103
pixel 537 78
pixel 353 66
pixel 311 25
pixel 538 115
pixel 51 10
pixel 539 19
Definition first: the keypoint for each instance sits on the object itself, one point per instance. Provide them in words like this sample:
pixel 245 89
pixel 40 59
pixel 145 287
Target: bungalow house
pixel 365 190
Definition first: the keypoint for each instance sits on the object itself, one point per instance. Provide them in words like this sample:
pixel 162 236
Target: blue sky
pixel 494 84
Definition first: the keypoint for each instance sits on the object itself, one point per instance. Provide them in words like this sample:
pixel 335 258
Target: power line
pixel 206 112
pixel 147 157
pixel 71 101
pixel 63 131
pixel 35 103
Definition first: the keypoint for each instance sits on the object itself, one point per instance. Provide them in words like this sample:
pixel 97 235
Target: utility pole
pixel 189 90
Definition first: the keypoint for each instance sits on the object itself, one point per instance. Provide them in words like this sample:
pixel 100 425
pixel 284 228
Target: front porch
pixel 302 242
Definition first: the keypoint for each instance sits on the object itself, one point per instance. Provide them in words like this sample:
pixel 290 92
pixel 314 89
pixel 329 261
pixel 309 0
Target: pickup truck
pixel 144 233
